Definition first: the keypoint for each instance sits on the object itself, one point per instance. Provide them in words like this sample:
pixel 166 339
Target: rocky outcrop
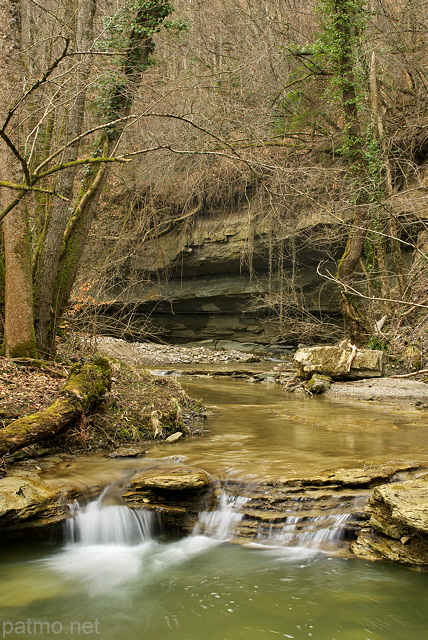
pixel 323 508
pixel 339 362
pixel 33 500
pixel 31 504
pixel 217 275
pixel 175 492
pixel 398 526
pixel 206 280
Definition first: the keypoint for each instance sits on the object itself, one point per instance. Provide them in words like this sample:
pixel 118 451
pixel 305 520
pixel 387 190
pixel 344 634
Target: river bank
pixel 204 358
pixel 287 447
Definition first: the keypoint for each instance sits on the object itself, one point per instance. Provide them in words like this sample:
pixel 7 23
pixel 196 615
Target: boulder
pixel 318 384
pixel 398 527
pixel 339 362
pixel 176 492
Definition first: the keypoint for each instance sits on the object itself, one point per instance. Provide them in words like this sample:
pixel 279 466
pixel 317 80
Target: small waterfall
pixel 243 518
pixel 307 531
pixel 220 524
pixel 108 520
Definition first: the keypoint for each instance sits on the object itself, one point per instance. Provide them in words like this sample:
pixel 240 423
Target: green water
pixel 200 589
pixel 195 589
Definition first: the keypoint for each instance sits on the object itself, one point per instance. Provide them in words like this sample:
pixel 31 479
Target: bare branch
pixel 12 204
pixel 380 233
pixel 78 138
pixel 347 288
pixel 38 83
pixel 408 375
pixel 75 163
pixel 16 153
pixel 24 187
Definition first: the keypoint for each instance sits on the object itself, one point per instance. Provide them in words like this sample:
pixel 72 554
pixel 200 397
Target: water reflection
pixel 258 431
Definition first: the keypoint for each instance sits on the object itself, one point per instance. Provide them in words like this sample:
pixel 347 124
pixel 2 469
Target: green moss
pixel 85 386
pixel 89 382
pixel 318 383
pixel 140 407
pixel 26 349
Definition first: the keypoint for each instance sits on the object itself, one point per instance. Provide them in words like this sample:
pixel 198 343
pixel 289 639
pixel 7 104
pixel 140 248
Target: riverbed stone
pixel 339 362
pixel 170 478
pixel 174 437
pixel 367 476
pixel 318 384
pixel 128 451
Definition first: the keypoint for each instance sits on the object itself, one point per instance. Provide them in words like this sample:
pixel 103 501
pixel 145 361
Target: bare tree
pixel 45 131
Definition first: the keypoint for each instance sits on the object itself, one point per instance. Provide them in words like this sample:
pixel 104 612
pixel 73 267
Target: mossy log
pixel 84 388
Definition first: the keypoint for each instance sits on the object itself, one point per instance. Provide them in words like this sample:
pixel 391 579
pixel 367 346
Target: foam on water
pixel 219 524
pixel 111 545
pixel 108 520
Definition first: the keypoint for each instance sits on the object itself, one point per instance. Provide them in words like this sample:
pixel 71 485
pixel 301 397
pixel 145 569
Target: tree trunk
pixel 135 63
pixel 19 327
pixel 20 339
pixel 345 27
pixel 85 386
pixel 47 263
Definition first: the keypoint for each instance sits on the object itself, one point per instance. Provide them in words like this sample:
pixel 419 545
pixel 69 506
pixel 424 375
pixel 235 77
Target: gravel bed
pixel 151 353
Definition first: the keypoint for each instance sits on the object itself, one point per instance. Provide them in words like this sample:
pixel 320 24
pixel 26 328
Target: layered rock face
pixel 231 274
pixel 33 502
pixel 398 527
pixel 208 281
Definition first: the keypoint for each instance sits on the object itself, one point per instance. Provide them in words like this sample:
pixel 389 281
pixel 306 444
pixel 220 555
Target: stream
pixel 112 578
pixel 259 431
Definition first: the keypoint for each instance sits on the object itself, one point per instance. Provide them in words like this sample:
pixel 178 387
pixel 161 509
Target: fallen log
pixel 84 388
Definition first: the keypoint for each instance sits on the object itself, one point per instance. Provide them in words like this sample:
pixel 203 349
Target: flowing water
pixel 113 580
pixel 259 431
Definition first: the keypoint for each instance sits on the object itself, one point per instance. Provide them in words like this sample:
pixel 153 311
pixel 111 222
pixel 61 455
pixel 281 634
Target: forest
pixel 122 120
pixel 213 319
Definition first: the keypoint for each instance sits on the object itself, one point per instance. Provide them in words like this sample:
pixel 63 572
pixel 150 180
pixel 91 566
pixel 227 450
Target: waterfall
pixel 220 524
pixel 108 520
pixel 304 531
pixel 322 526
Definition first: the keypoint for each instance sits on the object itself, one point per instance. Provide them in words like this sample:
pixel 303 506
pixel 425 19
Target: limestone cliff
pixel 242 274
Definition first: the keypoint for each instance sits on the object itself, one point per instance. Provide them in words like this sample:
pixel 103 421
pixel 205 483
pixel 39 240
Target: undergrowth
pixel 141 407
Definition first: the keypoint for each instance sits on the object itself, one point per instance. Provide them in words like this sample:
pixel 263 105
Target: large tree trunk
pixel 135 62
pixel 85 386
pixel 20 339
pixel 19 328
pixel 47 264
